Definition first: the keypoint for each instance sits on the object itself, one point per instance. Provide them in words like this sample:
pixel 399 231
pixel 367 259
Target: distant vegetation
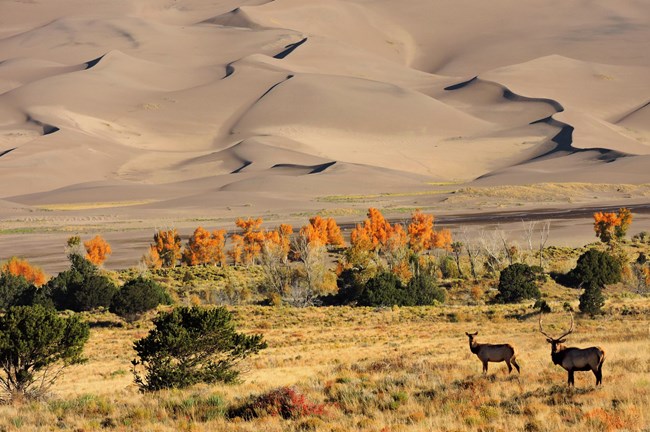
pixel 385 265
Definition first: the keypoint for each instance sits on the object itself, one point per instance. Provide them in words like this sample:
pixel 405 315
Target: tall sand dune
pixel 217 107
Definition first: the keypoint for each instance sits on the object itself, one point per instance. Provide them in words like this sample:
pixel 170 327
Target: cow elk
pixel 493 353
pixel 575 359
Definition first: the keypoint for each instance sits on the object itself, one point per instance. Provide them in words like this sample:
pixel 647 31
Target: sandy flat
pixel 119 116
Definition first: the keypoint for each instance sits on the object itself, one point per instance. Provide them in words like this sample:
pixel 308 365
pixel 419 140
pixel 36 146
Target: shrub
pixel 448 267
pixel 12 290
pixel 285 402
pixel 192 345
pixel 33 340
pixel 137 296
pixel 423 291
pixel 385 289
pixel 592 300
pixel 595 268
pixel 518 282
pixel 82 287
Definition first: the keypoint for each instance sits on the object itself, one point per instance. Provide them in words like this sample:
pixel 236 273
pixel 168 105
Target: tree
pixel 248 245
pixel 374 232
pixel 165 250
pixel 518 282
pixel 35 346
pixel 204 247
pixel 138 296
pixel 612 226
pixel 20 267
pixel 81 288
pixel 313 278
pixel 324 231
pixel 97 250
pixel 192 345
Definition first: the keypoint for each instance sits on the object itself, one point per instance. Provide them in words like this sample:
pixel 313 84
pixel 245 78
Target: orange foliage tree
pixel 374 232
pixel 21 267
pixel 97 250
pixel 323 231
pixel 165 250
pixel 247 245
pixel 281 236
pixel 610 226
pixel 422 235
pixel 204 247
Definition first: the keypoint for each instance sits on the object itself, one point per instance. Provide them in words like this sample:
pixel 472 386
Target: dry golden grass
pixel 399 369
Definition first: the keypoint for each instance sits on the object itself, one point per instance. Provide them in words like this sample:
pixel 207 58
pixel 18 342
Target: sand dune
pixel 204 105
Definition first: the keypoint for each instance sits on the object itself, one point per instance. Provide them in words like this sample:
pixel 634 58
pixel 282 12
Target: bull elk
pixel 575 359
pixel 493 353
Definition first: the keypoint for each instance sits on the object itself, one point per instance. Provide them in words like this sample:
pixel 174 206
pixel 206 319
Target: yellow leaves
pixel 610 226
pixel 165 250
pixel 21 267
pixel 97 250
pixel 322 231
pixel 204 247
pixel 423 236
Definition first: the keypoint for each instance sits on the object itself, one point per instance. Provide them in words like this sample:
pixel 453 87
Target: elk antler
pixel 541 330
pixel 570 329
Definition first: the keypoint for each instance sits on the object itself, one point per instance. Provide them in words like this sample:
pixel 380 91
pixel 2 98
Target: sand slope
pixel 204 104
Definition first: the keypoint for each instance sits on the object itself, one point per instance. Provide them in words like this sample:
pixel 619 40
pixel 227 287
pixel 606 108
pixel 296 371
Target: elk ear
pixel 549 340
pixel 562 340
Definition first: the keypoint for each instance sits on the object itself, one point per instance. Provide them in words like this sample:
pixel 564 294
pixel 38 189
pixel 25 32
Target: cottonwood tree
pixel 612 226
pixel 247 245
pixel 36 345
pixel 165 251
pixel 313 278
pixel 205 247
pixel 20 267
pixel 423 236
pixel 97 250
pixel 325 231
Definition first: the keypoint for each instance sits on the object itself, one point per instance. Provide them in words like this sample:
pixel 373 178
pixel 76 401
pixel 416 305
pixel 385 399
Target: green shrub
pixel 35 344
pixel 518 282
pixel 592 300
pixel 595 268
pixel 13 290
pixel 422 290
pixel 192 345
pixel 448 267
pixel 82 287
pixel 137 296
pixel 385 289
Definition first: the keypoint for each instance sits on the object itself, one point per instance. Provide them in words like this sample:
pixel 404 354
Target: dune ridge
pixel 187 103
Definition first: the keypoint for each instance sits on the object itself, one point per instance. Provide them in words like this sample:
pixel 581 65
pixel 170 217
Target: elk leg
pixel 514 362
pixel 599 376
pixel 485 367
pixel 509 367
pixel 571 381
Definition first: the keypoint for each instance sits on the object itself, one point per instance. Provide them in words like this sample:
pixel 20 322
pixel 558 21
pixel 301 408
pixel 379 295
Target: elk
pixel 575 359
pixel 493 353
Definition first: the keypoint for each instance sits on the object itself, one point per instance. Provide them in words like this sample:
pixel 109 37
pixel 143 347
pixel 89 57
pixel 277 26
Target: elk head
pixel 556 343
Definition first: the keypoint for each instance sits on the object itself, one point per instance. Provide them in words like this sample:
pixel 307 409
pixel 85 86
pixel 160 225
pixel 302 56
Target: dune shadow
pixel 289 49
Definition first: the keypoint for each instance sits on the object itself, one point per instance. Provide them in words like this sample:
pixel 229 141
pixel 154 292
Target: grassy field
pixel 399 369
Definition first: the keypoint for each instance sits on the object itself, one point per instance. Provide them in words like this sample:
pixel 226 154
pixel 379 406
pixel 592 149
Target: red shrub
pixel 285 402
